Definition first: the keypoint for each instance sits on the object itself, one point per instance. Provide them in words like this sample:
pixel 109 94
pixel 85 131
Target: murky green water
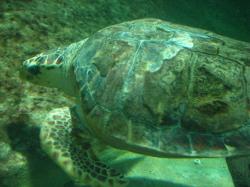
pixel 29 27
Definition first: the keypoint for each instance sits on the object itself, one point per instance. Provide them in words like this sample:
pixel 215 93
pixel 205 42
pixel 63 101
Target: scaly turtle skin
pixel 147 86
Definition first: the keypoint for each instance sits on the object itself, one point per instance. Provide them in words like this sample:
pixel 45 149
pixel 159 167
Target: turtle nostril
pixel 33 69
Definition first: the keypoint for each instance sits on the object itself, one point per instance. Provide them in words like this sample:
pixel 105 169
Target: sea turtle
pixel 146 86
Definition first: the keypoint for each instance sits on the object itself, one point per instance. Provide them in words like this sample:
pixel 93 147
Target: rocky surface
pixel 13 165
pixel 28 27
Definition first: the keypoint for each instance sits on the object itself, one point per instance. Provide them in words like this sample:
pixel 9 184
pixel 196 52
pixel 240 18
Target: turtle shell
pixel 164 89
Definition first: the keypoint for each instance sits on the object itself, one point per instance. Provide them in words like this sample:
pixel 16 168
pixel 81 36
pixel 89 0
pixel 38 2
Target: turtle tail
pixel 75 156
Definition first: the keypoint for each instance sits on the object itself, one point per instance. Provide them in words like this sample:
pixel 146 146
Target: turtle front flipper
pixel 73 154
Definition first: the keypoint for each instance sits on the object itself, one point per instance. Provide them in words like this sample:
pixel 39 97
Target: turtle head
pixel 51 69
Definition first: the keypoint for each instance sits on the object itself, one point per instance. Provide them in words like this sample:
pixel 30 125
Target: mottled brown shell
pixel 159 88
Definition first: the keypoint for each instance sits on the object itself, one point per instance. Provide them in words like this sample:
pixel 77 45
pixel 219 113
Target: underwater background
pixel 28 27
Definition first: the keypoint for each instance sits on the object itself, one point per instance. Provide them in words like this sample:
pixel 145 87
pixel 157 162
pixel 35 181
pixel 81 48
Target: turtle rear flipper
pixel 75 158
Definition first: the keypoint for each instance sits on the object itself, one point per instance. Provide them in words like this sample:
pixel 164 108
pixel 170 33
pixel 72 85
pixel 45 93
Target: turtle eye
pixel 33 69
